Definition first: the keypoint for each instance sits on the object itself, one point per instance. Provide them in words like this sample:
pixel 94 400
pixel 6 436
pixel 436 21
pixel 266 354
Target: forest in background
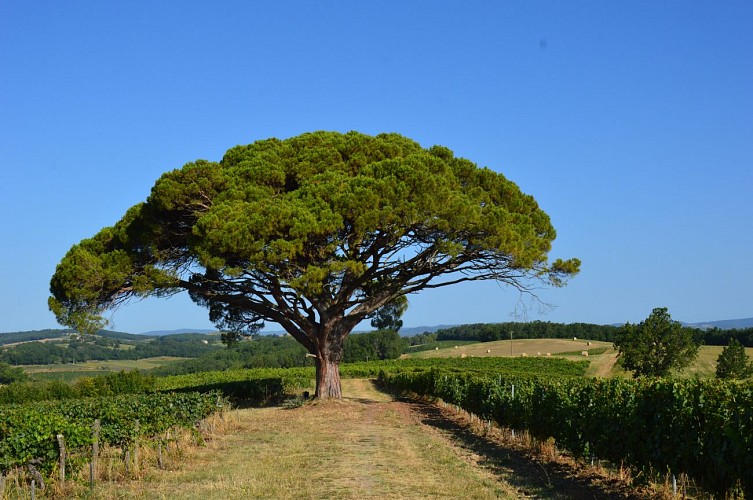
pixel 206 352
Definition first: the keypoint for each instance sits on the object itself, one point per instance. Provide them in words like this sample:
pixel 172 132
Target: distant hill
pixel 404 332
pixel 29 336
pixel 36 335
pixel 179 331
pixel 415 330
pixel 46 347
pixel 725 324
pixel 125 336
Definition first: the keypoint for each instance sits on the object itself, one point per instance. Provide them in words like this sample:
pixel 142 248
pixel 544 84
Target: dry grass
pixel 366 446
pixel 518 347
pixel 113 472
pixel 538 469
pixel 363 447
pixel 705 365
pixel 601 365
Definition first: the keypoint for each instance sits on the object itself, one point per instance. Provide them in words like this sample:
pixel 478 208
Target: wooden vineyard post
pixel 137 427
pixel 95 451
pixel 61 445
pixel 36 475
pixel 512 397
pixel 674 485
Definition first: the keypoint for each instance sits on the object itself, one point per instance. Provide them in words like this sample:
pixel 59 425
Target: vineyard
pixel 130 406
pixel 63 436
pixel 701 428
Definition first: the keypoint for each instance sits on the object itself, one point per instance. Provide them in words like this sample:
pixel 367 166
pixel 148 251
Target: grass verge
pixel 365 446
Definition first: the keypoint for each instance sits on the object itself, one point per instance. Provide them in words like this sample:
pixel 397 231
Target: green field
pixel 69 372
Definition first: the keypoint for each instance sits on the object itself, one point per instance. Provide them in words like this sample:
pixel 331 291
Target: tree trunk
pixel 328 380
pixel 328 368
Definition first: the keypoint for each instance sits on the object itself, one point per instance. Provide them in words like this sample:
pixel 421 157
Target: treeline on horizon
pixel 487 332
pixel 100 348
pixel 286 352
pixel 272 351
pixel 203 352
pixel 57 333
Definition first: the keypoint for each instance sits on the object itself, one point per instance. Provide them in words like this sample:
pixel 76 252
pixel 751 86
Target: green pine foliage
pixel 388 316
pixel 657 345
pixel 316 233
pixel 733 362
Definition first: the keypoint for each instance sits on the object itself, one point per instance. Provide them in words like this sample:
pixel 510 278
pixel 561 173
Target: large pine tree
pixel 316 233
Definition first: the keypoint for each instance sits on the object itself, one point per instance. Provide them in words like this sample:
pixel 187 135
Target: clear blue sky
pixel 631 123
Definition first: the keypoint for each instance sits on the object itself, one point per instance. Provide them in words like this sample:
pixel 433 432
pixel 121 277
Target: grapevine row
pixel 268 384
pixel 701 428
pixel 28 432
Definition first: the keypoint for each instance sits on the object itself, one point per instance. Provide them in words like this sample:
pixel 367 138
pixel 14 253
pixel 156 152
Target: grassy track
pixel 364 447
pixel 367 446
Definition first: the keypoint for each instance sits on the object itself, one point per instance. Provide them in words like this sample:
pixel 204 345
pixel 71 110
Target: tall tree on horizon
pixel 316 233
pixel 657 345
pixel 733 362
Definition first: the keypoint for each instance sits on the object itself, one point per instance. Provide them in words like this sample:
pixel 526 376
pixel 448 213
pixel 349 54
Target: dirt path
pixel 606 365
pixel 367 446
